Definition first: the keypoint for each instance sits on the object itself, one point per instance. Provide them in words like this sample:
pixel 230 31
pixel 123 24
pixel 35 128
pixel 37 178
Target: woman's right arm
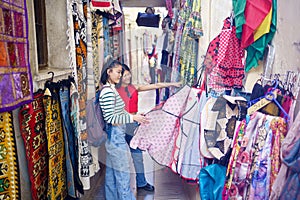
pixel 157 86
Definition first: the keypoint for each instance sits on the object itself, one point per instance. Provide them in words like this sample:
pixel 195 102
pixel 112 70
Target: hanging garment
pixel 190 160
pixel 240 181
pixel 257 21
pixel 80 26
pixel 10 177
pixel 211 182
pixel 236 147
pixel 220 125
pixel 32 128
pixel 223 60
pixel 291 158
pixel 287 149
pixel 158 136
pixel 55 143
pixel 15 76
pixel 186 121
pixel 261 166
pixel 74 184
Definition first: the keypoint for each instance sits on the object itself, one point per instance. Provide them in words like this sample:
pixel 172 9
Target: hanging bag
pixel 147 19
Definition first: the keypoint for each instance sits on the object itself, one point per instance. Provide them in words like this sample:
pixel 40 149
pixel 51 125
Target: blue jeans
pixel 117 176
pixel 137 156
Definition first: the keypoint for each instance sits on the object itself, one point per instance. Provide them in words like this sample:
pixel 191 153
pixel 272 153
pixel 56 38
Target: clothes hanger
pixel 260 102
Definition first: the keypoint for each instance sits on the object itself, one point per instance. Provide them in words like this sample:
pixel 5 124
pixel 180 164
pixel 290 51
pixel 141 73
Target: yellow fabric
pixel 264 27
pixel 54 131
pixel 9 179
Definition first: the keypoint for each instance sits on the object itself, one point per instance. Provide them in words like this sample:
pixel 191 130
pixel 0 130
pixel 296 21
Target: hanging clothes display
pixel 10 177
pixel 220 125
pixel 255 164
pixel 15 76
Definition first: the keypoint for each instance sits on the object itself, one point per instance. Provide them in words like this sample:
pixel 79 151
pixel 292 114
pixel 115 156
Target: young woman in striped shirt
pixel 117 177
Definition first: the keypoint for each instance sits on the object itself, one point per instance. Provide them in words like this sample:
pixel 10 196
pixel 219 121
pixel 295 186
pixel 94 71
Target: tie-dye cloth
pixel 15 76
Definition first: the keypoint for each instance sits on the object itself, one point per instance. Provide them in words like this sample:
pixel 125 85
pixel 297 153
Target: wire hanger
pixel 52 77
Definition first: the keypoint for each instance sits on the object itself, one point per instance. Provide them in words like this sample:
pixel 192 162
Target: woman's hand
pixel 177 84
pixel 140 119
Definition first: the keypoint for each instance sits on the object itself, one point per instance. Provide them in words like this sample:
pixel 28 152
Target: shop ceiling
pixel 144 3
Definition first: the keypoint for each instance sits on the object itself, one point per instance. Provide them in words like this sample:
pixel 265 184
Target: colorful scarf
pixel 15 76
pixel 9 180
pixel 55 140
pixel 79 20
pixel 32 127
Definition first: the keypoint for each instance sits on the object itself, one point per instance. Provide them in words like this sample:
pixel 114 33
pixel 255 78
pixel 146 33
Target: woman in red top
pixel 129 94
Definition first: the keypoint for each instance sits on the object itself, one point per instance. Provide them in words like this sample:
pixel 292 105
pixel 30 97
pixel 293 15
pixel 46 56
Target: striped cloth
pixel 113 106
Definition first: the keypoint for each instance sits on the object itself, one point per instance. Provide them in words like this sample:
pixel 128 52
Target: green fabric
pixel 239 17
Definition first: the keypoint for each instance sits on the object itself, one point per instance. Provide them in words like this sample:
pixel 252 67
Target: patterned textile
pixel 158 137
pixel 237 142
pixel 97 46
pixel 240 181
pixel 223 61
pixel 291 158
pixel 261 166
pixel 191 25
pixel 279 130
pixel 255 162
pixel 79 20
pixel 9 179
pixel 15 76
pixel 220 125
pixel 55 140
pixel 32 127
pixel 188 120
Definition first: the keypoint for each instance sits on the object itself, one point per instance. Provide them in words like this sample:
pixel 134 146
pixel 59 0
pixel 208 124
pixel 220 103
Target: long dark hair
pixel 111 63
pixel 124 68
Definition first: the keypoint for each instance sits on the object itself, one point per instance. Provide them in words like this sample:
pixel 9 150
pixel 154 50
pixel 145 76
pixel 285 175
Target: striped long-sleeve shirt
pixel 112 106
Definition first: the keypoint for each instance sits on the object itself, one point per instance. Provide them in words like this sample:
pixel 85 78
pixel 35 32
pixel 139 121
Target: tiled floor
pixel 167 186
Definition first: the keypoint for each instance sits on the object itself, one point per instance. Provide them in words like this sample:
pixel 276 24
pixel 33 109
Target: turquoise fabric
pixel 211 182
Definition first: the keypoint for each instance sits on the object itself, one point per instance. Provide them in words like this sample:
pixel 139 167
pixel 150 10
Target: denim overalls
pixel 117 176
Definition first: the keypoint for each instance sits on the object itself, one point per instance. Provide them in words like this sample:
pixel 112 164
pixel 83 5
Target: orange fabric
pixel 3 55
